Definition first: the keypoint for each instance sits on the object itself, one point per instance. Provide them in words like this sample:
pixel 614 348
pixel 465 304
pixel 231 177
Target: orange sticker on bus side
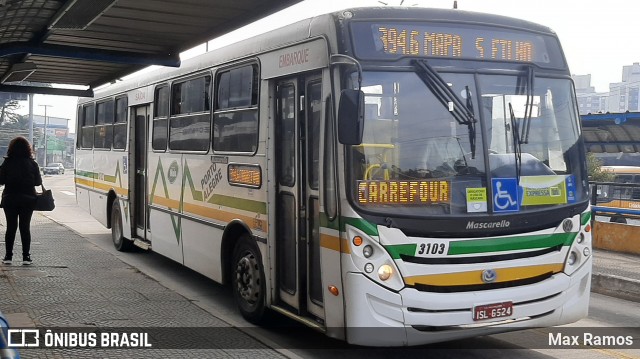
pixel 404 192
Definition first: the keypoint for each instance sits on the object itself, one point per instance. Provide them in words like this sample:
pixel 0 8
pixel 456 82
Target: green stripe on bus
pixel 197 195
pixel 239 203
pixel 87 174
pixel 115 177
pixel 477 246
pixel 396 250
pixel 585 218
pixel 361 224
pixel 510 243
pixel 107 178
pixel 325 223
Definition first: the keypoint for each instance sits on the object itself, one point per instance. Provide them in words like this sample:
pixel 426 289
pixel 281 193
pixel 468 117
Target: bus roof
pixel 621 169
pixel 310 28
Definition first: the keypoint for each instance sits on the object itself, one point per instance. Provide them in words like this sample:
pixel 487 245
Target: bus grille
pixel 479 287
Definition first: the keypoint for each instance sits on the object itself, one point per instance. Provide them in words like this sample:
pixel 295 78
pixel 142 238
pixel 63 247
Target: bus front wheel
pixel 122 244
pixel 618 219
pixel 248 280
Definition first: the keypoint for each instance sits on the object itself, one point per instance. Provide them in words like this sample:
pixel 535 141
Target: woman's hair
pixel 19 147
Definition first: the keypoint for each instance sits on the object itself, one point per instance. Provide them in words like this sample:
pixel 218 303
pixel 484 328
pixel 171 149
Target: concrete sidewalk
pixel 75 284
pixel 616 274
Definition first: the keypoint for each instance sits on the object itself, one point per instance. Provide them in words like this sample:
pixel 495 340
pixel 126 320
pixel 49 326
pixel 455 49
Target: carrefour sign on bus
pixel 404 192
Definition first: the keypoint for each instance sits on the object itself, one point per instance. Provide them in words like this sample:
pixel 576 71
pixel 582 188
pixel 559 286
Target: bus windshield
pixel 417 159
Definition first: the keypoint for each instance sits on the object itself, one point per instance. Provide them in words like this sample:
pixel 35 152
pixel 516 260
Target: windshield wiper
pixel 472 124
pixel 517 142
pixel 528 109
pixel 462 113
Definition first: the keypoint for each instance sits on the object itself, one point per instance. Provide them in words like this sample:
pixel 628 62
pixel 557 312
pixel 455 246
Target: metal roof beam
pixel 46 90
pixel 83 53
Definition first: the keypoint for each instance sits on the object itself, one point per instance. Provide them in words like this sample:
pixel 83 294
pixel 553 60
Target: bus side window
pixel 235 117
pixel 635 192
pixel 160 118
pixel 120 124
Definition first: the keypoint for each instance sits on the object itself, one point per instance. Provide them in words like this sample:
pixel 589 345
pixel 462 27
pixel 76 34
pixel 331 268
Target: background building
pixel 60 143
pixel 624 96
pixel 589 101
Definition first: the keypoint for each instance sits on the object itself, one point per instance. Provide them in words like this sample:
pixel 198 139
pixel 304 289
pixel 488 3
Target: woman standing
pixel 19 174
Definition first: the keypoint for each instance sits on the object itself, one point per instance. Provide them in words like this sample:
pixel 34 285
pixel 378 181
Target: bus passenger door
pixel 138 173
pixel 297 142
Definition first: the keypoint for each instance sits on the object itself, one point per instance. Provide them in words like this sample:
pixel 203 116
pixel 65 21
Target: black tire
pixel 618 219
pixel 122 244
pixel 247 281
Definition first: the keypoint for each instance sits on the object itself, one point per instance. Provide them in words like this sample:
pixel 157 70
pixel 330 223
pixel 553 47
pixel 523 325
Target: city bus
pixel 620 198
pixel 387 176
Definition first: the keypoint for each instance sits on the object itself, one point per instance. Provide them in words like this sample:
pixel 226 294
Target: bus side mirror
pixel 351 117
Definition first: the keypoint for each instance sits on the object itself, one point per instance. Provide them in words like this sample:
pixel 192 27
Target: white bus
pixel 388 176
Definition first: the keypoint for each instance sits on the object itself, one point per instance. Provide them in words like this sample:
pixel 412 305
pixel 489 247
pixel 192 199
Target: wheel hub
pixel 248 278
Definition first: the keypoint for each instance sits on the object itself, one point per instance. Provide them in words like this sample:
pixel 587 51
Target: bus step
pixel 138 242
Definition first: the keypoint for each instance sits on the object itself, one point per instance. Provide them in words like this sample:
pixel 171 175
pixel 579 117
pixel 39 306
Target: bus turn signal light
pixel 334 290
pixel 357 241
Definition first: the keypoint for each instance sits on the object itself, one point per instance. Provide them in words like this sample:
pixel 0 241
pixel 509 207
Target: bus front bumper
pixel 377 316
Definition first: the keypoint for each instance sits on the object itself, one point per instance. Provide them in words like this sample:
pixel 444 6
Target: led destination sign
pixel 403 192
pixel 385 41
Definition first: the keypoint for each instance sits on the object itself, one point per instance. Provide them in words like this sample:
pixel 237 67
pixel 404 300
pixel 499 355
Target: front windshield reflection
pixel 416 159
pixel 410 136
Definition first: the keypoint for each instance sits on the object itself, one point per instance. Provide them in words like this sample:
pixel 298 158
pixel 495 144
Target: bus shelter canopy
pixel 93 42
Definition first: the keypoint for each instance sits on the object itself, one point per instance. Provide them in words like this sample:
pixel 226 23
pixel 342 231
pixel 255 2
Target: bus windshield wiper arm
pixel 472 123
pixel 462 113
pixel 528 110
pixel 517 142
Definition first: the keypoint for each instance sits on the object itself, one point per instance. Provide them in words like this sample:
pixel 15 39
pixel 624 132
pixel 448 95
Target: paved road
pixel 217 301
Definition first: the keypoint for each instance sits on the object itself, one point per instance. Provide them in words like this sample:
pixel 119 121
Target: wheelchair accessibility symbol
pixel 505 195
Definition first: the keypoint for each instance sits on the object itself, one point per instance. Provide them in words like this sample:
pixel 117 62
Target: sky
pixel 598 37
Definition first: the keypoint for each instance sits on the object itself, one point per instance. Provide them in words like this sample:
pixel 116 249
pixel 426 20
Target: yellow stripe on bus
pixel 225 216
pixel 333 243
pixel 101 186
pixel 475 277
pixel 211 213
pixel 167 202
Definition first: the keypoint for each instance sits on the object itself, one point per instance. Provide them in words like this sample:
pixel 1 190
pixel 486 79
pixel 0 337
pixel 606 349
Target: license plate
pixel 495 310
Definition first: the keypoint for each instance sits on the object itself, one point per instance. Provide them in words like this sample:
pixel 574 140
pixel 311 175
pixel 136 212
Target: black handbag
pixel 44 201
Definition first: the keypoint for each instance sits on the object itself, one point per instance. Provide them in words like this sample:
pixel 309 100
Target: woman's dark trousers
pixel 13 214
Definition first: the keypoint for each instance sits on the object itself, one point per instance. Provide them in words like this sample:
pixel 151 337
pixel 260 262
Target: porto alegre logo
pixel 173 172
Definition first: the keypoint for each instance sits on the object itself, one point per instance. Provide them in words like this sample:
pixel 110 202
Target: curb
pixel 616 286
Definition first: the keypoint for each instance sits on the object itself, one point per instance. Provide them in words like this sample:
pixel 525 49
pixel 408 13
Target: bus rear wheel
pixel 122 244
pixel 248 280
pixel 618 219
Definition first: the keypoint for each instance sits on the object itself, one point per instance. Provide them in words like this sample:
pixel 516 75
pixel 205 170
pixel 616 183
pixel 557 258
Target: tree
pixel 594 169
pixel 8 112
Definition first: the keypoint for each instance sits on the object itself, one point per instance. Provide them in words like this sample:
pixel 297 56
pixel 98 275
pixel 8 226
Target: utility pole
pixel 31 119
pixel 45 133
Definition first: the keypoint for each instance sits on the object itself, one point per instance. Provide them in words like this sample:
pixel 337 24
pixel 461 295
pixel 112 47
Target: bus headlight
pixel 372 259
pixel 367 251
pixel 368 267
pixel 385 271
pixel 580 250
